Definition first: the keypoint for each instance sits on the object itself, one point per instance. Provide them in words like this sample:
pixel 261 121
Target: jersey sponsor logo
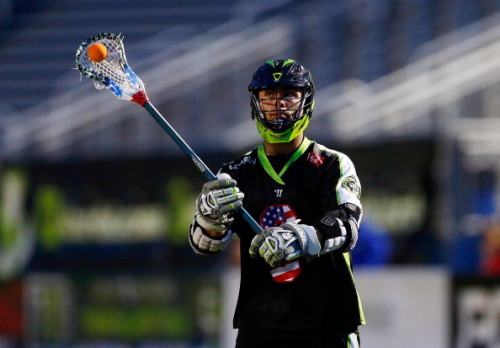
pixel 315 159
pixel 275 215
pixel 244 160
pixel 351 185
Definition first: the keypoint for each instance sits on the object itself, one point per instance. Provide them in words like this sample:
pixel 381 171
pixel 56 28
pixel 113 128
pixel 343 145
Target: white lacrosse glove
pixel 216 201
pixel 202 244
pixel 286 242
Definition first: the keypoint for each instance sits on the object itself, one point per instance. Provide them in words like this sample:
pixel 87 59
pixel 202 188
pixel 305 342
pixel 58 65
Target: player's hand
pixel 218 198
pixel 287 242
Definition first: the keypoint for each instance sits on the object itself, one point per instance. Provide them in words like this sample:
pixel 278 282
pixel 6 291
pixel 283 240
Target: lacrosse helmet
pixel 282 73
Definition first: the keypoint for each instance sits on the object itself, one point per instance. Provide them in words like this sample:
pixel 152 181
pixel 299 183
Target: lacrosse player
pixel 297 287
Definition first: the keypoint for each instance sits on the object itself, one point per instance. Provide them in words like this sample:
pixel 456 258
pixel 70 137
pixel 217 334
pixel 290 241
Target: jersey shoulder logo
pixel 351 184
pixel 315 159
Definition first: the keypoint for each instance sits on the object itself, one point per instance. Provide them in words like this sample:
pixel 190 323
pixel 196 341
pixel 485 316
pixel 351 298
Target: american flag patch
pixel 286 273
pixel 275 215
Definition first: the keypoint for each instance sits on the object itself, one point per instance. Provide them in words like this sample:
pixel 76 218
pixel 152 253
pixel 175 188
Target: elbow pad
pixel 339 229
pixel 204 245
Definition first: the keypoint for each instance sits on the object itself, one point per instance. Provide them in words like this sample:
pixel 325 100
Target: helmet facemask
pixel 294 109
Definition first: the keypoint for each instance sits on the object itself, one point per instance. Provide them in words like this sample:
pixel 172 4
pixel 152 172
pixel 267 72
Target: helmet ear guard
pixel 282 73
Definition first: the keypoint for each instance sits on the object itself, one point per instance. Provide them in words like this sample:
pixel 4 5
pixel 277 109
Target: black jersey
pixel 323 299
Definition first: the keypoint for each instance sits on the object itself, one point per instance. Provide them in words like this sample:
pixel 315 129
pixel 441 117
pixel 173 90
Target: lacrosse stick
pixel 112 72
pixel 106 64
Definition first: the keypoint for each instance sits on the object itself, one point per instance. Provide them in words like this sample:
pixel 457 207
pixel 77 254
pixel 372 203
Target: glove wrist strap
pixel 307 238
pixel 211 225
pixel 313 244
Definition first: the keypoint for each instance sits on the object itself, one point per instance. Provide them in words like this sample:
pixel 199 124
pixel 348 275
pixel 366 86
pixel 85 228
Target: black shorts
pixel 246 340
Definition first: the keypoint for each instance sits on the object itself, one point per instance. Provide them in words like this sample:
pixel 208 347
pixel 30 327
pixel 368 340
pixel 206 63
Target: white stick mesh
pixel 113 72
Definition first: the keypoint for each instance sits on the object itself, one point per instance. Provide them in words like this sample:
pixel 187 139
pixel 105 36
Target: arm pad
pixel 339 228
pixel 204 245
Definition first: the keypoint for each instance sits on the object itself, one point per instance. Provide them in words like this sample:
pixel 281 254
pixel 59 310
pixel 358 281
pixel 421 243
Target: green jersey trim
pixel 266 164
pixel 347 258
pixel 337 193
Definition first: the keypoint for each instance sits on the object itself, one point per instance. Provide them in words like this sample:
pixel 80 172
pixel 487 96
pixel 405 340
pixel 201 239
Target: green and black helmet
pixel 282 73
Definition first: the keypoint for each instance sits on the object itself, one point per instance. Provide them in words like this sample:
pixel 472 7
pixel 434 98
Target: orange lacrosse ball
pixel 97 52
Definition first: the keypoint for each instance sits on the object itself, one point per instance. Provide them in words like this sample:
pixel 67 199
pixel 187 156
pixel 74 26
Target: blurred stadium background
pixel 95 199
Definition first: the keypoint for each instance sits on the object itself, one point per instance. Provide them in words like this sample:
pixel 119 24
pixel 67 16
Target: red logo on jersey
pixel 315 159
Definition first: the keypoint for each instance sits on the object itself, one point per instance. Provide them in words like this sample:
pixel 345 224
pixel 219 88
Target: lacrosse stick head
pixel 112 72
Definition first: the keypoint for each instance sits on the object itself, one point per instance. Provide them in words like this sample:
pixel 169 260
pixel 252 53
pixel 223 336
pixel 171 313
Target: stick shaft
pixel 194 157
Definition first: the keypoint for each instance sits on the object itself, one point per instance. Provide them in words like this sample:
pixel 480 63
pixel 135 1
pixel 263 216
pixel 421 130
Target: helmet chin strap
pixel 279 124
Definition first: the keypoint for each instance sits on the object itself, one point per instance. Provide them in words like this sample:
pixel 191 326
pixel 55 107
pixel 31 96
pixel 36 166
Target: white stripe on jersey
pixel 348 187
pixel 352 341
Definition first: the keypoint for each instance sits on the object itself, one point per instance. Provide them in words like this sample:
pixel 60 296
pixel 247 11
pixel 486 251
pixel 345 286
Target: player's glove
pixel 286 242
pixel 216 201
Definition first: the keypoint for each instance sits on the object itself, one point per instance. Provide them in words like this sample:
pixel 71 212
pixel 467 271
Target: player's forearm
pixel 215 234
pixel 338 229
